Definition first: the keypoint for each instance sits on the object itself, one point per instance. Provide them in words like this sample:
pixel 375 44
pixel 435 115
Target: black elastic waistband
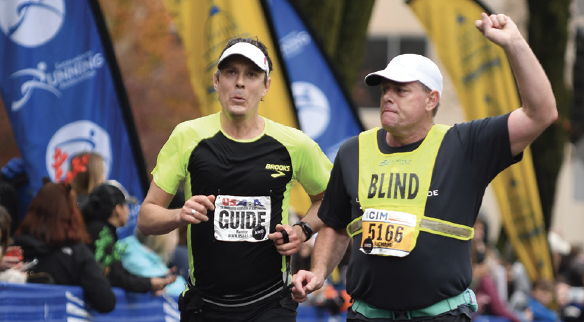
pixel 236 301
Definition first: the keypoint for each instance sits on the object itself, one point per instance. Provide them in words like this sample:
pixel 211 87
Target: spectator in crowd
pixel 559 248
pixel 497 270
pixel 9 265
pixel 180 254
pixel 141 260
pixel 518 288
pixel 105 210
pixel 483 285
pixel 94 174
pixel 180 257
pixel 163 245
pixel 570 301
pixel 572 267
pixel 54 234
pixel 301 260
pixel 542 295
pixel 15 194
pixel 5 222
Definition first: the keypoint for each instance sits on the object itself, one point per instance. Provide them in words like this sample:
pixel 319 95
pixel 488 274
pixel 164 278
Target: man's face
pixel 402 105
pixel 240 87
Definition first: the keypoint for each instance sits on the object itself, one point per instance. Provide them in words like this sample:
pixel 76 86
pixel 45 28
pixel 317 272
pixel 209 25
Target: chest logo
pixel 280 169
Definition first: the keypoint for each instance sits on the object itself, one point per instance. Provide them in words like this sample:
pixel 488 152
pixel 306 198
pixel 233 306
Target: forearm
pixel 538 101
pixel 156 220
pixel 329 248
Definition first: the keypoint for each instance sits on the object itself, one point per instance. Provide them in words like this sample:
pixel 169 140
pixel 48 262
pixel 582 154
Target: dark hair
pixel 53 216
pixel 254 42
pixel 102 201
pixel 5 222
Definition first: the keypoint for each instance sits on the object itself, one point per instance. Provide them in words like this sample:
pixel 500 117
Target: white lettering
pixel 432 193
pixel 66 74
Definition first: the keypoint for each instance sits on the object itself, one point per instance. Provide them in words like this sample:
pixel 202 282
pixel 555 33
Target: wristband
pixel 305 228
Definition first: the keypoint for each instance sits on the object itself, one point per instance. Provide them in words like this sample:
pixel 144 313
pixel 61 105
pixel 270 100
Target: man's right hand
pixel 304 283
pixel 194 211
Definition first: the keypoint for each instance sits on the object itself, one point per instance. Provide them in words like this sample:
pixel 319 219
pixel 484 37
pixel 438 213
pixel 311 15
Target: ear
pixel 215 80
pixel 432 100
pixel 268 83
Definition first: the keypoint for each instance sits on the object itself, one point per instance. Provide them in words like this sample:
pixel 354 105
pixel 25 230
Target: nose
pixel 387 95
pixel 239 83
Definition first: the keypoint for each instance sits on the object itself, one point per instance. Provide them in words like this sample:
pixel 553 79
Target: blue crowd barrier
pixel 39 302
pixel 59 303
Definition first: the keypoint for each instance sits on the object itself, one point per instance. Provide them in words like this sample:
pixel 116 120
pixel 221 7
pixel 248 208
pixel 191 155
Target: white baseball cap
pixel 558 244
pixel 250 52
pixel 409 68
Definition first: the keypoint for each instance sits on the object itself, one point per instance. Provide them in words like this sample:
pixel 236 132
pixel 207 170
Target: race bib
pixel 387 233
pixel 242 219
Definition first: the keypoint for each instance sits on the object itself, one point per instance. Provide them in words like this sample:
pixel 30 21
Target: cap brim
pixel 375 79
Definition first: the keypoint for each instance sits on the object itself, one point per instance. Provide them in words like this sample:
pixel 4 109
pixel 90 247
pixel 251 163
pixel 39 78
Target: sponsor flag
pixel 63 92
pixel 485 85
pixel 324 109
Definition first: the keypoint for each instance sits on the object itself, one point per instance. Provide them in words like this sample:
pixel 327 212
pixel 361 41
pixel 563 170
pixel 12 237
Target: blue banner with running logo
pixel 63 92
pixel 325 111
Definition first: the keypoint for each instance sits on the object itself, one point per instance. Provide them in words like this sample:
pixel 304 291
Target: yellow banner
pixel 485 85
pixel 205 27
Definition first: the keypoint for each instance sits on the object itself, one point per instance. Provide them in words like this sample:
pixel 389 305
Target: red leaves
pixel 78 164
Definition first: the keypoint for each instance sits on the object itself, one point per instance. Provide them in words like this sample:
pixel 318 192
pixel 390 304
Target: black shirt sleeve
pixel 120 277
pixel 335 209
pixel 487 145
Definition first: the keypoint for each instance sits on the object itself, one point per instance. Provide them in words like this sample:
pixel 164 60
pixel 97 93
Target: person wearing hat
pixel 106 209
pixel 408 193
pixel 237 169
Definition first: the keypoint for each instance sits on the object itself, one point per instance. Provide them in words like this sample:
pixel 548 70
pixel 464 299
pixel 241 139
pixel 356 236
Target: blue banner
pixel 62 90
pixel 325 111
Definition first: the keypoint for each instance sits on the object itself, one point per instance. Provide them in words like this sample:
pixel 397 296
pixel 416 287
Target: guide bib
pixel 393 190
pixel 242 219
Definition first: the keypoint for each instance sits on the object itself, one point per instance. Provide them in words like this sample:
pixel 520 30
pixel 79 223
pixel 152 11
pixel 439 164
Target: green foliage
pixel 548 37
pixel 341 27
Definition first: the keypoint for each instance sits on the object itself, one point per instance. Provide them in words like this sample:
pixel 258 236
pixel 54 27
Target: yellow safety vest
pixel 393 190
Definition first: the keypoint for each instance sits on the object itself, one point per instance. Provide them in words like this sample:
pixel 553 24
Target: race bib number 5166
pixel 389 233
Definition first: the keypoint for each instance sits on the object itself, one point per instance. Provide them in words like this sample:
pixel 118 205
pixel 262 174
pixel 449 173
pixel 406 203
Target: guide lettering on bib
pixel 241 218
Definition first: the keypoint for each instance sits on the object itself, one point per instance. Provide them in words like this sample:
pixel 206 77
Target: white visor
pixel 250 52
